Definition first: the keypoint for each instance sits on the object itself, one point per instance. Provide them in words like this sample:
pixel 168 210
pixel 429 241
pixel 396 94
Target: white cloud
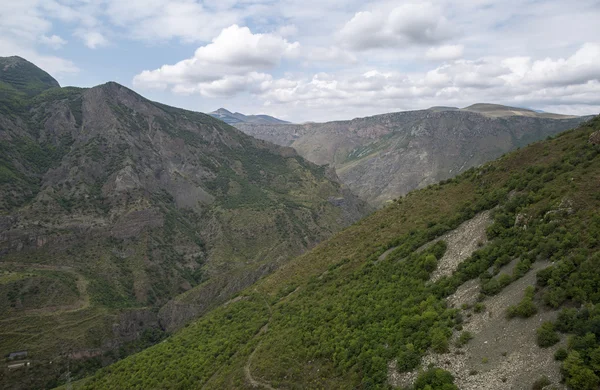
pixel 445 52
pixel 22 27
pixel 92 39
pixel 515 80
pixel 581 67
pixel 192 21
pixel 230 63
pixel 405 25
pixel 53 41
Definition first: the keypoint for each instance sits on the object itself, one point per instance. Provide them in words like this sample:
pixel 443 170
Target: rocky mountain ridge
pixel 385 156
pixel 233 118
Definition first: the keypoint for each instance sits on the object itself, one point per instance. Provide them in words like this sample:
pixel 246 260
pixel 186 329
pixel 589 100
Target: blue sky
pixel 316 60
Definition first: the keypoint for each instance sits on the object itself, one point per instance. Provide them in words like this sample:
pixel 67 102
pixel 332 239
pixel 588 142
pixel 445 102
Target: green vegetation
pixel 541 383
pixel 464 338
pixel 115 213
pixel 340 315
pixel 546 335
pixel 524 309
pixel 435 379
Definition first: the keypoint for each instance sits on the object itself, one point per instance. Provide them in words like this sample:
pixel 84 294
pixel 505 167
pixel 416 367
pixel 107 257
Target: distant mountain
pixel 385 156
pixel 18 75
pixel 499 111
pixel 121 218
pixel 233 118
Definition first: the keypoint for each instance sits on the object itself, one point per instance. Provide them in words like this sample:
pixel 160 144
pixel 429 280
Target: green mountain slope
pixel 363 304
pixel 122 218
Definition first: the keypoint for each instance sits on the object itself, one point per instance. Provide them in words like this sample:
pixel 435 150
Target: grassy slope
pixel 336 316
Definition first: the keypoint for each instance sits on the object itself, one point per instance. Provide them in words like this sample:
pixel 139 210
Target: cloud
pixel 92 39
pixel 154 20
pixel 22 27
pixel 445 52
pixel 405 25
pixel 53 41
pixel 230 63
pixel 331 54
pixel 581 67
pixel 514 80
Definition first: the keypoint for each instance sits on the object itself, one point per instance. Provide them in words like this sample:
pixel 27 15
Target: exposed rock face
pixel 386 156
pixel 595 138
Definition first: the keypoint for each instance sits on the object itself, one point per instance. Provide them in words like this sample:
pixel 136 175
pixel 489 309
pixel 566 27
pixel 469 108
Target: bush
pixel 560 354
pixel 526 308
pixel 546 335
pixel 439 341
pixel 541 383
pixel 464 338
pixel 435 378
pixel 479 307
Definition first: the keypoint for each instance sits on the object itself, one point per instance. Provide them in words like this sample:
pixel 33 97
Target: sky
pixel 319 60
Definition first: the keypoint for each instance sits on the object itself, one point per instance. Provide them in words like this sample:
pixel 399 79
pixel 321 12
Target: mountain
pixel 233 118
pixel 499 111
pixel 485 281
pixel 122 218
pixel 385 156
pixel 21 76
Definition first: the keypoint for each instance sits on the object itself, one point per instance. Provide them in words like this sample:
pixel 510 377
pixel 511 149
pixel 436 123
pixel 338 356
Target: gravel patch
pixel 462 242
pixel 503 353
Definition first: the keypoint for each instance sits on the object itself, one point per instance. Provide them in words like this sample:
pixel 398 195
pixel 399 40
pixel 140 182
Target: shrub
pixel 546 335
pixel 560 354
pixel 435 378
pixel 541 383
pixel 524 309
pixel 464 338
pixel 479 307
pixel 439 341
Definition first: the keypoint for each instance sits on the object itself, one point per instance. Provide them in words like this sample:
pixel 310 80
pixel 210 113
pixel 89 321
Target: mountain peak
pixel 237 117
pixel 24 77
pixel 222 111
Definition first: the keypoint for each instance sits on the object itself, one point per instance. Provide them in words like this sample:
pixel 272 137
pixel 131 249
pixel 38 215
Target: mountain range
pixel 144 246
pixel 485 281
pixel 385 156
pixel 233 118
pixel 121 217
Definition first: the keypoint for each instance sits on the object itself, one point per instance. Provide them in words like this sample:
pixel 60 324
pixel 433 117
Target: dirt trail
pixel 247 368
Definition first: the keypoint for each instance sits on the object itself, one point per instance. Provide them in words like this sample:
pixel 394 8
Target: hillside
pixel 121 218
pixel 484 276
pixel 233 118
pixel 385 156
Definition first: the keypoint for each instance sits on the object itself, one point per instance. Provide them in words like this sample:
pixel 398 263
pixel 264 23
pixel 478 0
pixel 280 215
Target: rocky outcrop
pixel 595 138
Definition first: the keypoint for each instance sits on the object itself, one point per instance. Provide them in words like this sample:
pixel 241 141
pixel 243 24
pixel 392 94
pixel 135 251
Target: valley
pixel 344 316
